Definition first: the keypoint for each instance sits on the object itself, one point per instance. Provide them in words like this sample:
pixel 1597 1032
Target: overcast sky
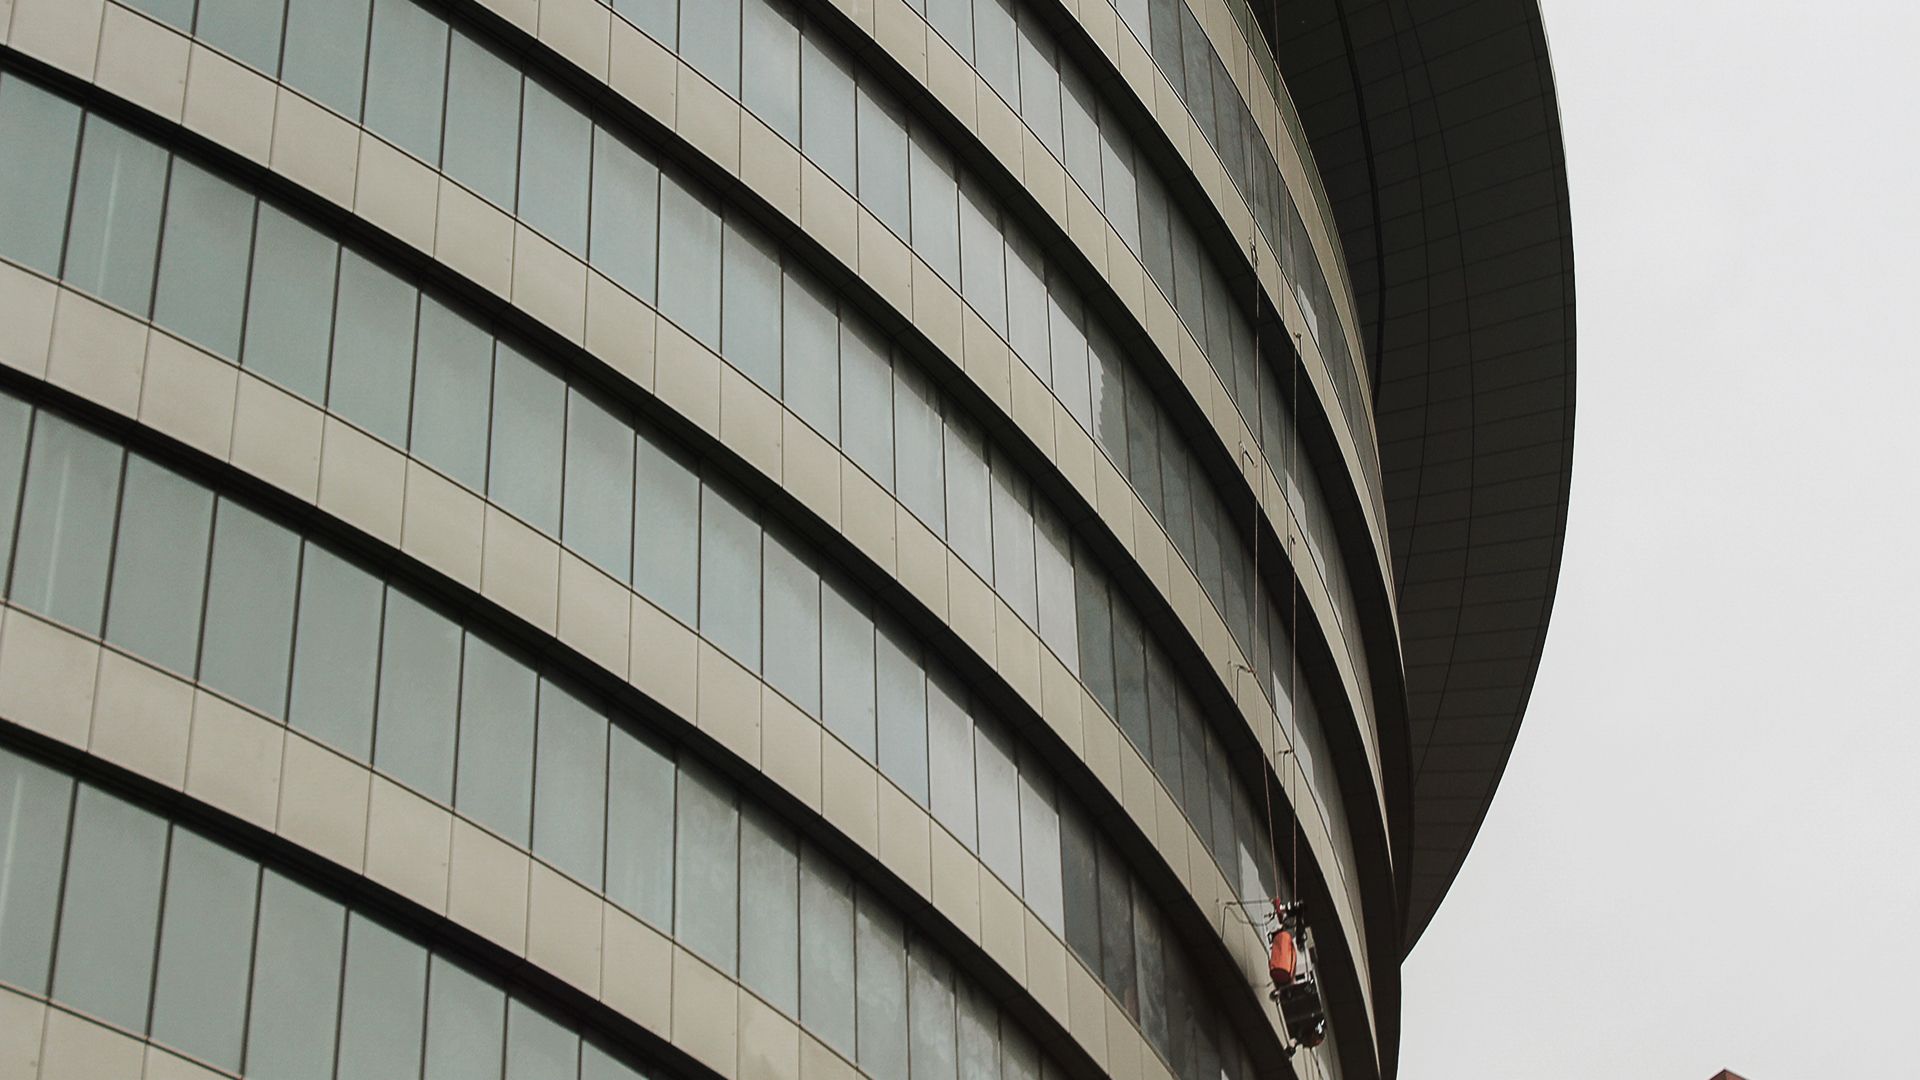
pixel 1706 850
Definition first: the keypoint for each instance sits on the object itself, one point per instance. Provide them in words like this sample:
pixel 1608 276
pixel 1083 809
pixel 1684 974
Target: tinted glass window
pixel 383 1006
pixel 495 773
pixel 296 982
pixel 706 886
pixel 112 909
pixel 203 259
pixel 826 951
pixel 556 148
pixel 419 693
pixel 710 40
pixel 569 804
pixel 160 565
pixel 880 953
pixel 750 306
pixel 116 214
pixel 812 353
pixel 336 652
pixel 598 516
pixel 902 713
pixel 936 208
pixel 640 812
pixel 466 1023
pixel 770 938
pixel 246 29
pixel 866 401
pixel 34 188
pixel 482 128
pixel 847 660
pixel 406 75
pixel 826 107
pixel 372 378
pixel 793 624
pixel 690 256
pixel 249 624
pixel 290 304
pixel 729 576
pixel 918 438
pixel 883 158
pixel 626 213
pixel 326 51
pixel 666 544
pixel 772 59
pixel 529 433
pixel 206 950
pixel 453 391
pixel 33 842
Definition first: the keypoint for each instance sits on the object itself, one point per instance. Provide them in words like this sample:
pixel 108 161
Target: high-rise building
pixel 751 539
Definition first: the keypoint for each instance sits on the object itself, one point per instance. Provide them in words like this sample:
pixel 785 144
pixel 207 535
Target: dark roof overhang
pixel 1436 129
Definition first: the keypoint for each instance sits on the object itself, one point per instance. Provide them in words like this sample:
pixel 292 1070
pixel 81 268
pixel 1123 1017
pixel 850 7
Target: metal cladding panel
pixel 1436 130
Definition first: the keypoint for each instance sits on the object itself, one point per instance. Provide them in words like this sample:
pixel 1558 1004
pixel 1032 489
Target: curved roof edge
pixel 1436 129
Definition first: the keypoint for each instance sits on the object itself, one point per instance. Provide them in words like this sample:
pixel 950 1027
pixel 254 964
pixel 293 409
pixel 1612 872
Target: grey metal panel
pixel 1436 130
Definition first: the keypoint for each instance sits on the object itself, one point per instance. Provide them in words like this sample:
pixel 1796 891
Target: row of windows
pixel 114 910
pixel 330 323
pixel 1184 53
pixel 201 582
pixel 777 64
pixel 441 94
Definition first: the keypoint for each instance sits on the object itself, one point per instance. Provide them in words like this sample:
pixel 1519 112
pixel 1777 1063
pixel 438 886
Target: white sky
pixel 1703 855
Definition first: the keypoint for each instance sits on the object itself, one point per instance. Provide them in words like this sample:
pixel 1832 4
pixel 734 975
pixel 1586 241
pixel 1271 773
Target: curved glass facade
pixel 168 919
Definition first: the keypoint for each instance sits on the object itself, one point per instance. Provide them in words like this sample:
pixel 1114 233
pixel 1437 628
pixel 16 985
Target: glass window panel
pixel 1164 718
pixel 994 752
pixel 659 18
pixel 979 1033
pixel 599 1064
pixel 326 51
pixel 866 401
pixel 1081 129
pixel 710 41
pixel 453 386
pixel 569 795
pixel 666 542
pixel 16 419
pixel 538 1047
pixel 1039 85
pixel 706 884
pixel 495 760
pixel 406 74
pixel 1122 203
pixel 730 575
pixel 245 29
pixel 1143 448
pixel 206 950
pixel 997 48
pixel 640 801
pixel 1193 767
pixel 954 20
pixel 34 801
pixel 1068 343
pixel 249 622
pixel 1189 290
pixel 1220 805
pixel 827 106
pixel 847 662
pixel 529 438
pixel 556 152
pixel 918 438
pixel 336 652
pixel 770 940
pixel 883 158
pixel 1040 857
pixel 983 255
pixel 160 565
pixel 1027 305
pixel 932 1052
pixel 1013 565
pixel 626 214
pixel 881 991
pixel 950 745
pixel 969 500
pixel 826 951
pixel 792 635
pixel 1095 619
pixel 750 301
pixel 1080 887
pixel 1130 675
pixel 1054 563
pixel 482 128
pixel 772 60
pixel 34 188
pixel 1198 56
pixel 1152 993
pixel 419 695
pixel 1019 1058
pixel 372 381
pixel 598 512
pixel 466 1023
pixel 1176 494
pixel 111 910
pixel 294 1000
pixel 1206 541
pixel 936 206
pixel 1116 931
pixel 690 259
pixel 290 304
pixel 115 227
pixel 812 352
pixel 1156 239
pixel 203 259
pixel 902 712
pixel 383 1006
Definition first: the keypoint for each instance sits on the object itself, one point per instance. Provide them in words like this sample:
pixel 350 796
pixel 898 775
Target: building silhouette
pixel 747 539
